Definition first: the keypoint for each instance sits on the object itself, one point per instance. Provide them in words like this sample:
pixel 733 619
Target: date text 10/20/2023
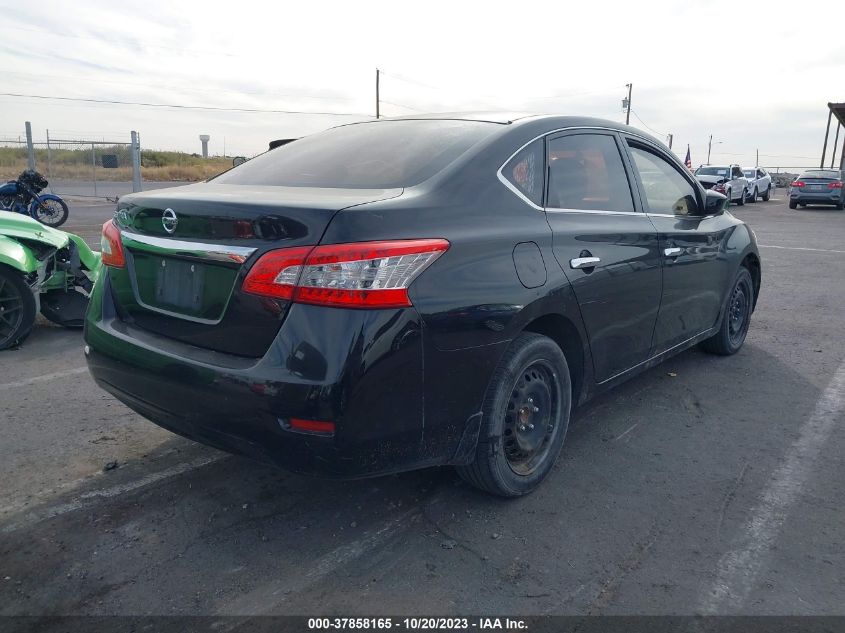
pixel 417 624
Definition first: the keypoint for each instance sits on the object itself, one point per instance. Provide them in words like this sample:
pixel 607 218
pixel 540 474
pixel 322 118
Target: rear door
pixel 693 249
pixel 607 248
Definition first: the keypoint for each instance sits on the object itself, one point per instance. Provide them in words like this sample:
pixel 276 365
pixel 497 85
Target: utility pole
pixel 30 150
pixel 628 104
pixel 709 145
pixel 378 73
pixel 757 164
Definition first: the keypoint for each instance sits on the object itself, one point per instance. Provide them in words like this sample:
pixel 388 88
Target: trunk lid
pixel 189 248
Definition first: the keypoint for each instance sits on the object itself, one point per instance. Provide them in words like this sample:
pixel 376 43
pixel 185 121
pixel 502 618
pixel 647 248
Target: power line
pixel 177 106
pixel 400 105
pixel 634 112
pixel 174 88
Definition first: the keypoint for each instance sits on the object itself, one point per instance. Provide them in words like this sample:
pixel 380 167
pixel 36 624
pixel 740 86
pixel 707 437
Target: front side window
pixel 586 173
pixel 666 190
pixel 525 172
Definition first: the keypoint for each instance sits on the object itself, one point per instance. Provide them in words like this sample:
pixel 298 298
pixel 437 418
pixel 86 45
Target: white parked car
pixel 759 184
pixel 726 179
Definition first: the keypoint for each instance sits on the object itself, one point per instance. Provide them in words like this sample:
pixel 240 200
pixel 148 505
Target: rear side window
pixel 586 172
pixel 525 172
pixel 377 155
pixel 666 190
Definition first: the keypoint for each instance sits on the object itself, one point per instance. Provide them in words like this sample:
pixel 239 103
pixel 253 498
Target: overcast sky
pixel 745 72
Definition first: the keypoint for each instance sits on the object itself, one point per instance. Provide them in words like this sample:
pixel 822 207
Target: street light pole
pixel 709 145
pixel 628 112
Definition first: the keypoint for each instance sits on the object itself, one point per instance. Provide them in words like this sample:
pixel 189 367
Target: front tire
pixel 525 415
pixel 52 213
pixel 793 204
pixel 735 319
pixel 753 197
pixel 767 194
pixel 17 308
pixel 741 201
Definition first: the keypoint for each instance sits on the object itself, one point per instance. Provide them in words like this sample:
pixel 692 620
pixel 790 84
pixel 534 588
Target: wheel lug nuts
pixel 535 409
pixel 530 427
pixel 521 427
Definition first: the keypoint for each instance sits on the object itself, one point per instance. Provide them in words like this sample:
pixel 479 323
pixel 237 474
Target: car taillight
pixel 356 275
pixel 111 246
pixel 798 183
pixel 835 185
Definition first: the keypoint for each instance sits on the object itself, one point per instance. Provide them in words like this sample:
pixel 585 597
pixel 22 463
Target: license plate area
pixel 183 287
pixel 179 284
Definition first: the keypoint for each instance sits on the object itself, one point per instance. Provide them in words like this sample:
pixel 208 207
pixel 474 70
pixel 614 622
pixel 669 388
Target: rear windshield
pixel 377 155
pixel 713 171
pixel 821 173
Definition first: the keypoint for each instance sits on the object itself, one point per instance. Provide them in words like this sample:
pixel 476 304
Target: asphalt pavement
pixel 705 485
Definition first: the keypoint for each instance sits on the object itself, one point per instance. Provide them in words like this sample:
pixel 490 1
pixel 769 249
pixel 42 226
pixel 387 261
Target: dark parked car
pixel 414 292
pixel 817 186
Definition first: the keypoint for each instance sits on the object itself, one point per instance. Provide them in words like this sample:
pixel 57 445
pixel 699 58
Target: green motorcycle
pixel 44 269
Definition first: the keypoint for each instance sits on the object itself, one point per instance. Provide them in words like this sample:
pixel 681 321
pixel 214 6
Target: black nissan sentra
pixel 415 292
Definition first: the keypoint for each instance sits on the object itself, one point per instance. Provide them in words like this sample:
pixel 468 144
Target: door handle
pixel 674 251
pixel 584 262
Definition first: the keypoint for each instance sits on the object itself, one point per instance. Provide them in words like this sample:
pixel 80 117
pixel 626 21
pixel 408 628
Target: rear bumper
pixel 362 370
pixel 820 197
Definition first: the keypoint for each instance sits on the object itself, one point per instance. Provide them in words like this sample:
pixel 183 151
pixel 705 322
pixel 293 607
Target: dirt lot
pixel 706 485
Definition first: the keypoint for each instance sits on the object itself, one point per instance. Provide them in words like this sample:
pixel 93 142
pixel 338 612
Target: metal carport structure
pixel 834 110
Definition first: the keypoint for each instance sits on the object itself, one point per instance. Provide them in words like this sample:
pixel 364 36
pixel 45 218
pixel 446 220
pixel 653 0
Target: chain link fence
pixel 77 167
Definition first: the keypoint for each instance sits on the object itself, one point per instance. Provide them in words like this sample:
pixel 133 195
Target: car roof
pixel 503 118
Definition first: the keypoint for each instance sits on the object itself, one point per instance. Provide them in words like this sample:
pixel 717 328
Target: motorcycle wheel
pixel 52 213
pixel 17 308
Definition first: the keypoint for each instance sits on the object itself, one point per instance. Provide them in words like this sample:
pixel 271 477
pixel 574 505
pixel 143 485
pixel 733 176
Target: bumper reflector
pixel 311 426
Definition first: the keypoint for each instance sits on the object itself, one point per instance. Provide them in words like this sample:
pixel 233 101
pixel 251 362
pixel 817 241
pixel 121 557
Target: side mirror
pixel 238 160
pixel 714 202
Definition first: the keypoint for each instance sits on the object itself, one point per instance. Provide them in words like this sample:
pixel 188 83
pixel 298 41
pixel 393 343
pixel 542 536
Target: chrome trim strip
pixel 594 211
pixel 204 250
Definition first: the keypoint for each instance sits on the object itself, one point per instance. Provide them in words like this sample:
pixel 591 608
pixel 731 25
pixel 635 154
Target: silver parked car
pixel 759 184
pixel 726 179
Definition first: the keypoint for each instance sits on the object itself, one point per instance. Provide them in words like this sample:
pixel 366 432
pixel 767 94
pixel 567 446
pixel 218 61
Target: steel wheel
pixel 739 313
pixel 531 414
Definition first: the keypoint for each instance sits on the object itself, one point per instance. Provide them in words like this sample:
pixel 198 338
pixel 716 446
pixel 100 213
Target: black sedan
pixel 405 293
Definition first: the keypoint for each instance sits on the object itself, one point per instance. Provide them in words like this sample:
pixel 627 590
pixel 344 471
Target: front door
pixel 693 248
pixel 607 248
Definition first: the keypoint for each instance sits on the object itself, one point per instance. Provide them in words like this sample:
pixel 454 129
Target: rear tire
pixel 735 319
pixel 841 205
pixel 525 415
pixel 793 204
pixel 17 308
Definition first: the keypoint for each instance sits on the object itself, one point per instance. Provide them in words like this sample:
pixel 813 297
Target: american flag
pixel 688 159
